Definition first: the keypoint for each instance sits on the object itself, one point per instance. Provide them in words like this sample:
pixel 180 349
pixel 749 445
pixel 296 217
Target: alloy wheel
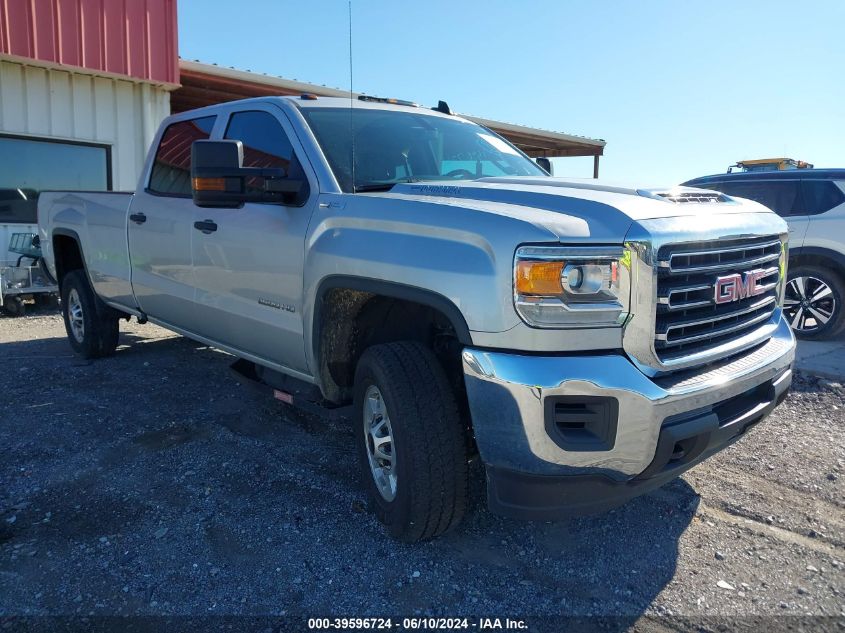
pixel 808 304
pixel 379 437
pixel 74 312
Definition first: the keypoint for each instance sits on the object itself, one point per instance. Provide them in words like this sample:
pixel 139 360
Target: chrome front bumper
pixel 508 393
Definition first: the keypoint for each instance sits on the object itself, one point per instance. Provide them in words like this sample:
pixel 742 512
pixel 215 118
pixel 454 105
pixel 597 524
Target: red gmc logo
pixel 739 286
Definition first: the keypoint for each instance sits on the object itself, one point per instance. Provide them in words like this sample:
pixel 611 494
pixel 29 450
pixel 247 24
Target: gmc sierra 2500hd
pixel 587 342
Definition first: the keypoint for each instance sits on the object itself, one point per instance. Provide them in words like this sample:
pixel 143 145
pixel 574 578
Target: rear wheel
pixel 91 327
pixel 813 302
pixel 411 444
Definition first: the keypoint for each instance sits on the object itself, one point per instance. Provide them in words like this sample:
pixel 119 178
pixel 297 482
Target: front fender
pixel 457 260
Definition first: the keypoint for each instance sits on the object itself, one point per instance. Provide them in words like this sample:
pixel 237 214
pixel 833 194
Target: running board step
pixel 290 391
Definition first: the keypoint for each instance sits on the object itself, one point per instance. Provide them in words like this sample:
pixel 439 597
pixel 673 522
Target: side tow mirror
pixel 219 179
pixel 546 164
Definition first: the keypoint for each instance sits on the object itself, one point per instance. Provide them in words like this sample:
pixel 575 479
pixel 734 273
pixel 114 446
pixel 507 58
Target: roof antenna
pixel 351 104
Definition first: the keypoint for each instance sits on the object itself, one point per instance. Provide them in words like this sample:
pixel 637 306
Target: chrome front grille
pixel 719 258
pixel 689 319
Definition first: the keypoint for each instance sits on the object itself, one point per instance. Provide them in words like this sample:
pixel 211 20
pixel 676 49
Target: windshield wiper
pixel 384 186
pixel 387 186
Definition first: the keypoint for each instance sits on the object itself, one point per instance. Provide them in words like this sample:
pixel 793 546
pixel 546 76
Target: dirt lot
pixel 151 483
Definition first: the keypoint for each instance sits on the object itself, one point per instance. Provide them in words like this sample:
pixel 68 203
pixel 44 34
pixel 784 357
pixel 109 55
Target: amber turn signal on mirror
pixel 209 184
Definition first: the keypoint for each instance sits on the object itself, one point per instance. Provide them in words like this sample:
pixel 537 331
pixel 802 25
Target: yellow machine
pixel 770 164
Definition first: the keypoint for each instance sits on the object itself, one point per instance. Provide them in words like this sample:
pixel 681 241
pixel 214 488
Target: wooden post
pixel 596 166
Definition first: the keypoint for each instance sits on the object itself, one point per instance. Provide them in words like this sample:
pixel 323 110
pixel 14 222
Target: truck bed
pixel 96 217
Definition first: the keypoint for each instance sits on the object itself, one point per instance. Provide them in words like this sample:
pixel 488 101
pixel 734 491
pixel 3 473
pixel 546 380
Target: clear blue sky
pixel 677 88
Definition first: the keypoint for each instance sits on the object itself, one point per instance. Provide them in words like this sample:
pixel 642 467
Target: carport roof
pixel 207 84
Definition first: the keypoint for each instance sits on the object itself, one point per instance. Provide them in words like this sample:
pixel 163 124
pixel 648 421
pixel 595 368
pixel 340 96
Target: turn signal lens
pixel 539 278
pixel 209 184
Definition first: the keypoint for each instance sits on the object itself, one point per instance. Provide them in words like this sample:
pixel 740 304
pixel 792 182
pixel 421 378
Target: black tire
pixel 99 333
pixel 428 441
pixel 13 305
pixel 798 309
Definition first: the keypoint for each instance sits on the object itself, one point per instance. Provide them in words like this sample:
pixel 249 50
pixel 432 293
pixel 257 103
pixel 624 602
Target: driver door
pixel 248 261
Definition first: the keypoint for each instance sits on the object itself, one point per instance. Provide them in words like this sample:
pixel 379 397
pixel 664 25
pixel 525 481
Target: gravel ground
pixel 151 483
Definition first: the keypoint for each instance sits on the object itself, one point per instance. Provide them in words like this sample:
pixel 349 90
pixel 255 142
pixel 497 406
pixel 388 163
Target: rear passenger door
pixel 248 268
pixel 782 196
pixel 160 227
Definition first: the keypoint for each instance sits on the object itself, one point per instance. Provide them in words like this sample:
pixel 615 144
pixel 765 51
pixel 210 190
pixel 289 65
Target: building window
pixel 171 174
pixel 30 165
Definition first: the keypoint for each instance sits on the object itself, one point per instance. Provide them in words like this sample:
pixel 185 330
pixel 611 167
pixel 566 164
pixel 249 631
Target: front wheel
pixel 411 442
pixel 92 333
pixel 813 302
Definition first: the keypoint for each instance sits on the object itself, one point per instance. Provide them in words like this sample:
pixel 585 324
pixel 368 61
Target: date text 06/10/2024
pixel 416 624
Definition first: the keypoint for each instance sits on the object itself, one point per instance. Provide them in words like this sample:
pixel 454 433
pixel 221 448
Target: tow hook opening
pixel 681 448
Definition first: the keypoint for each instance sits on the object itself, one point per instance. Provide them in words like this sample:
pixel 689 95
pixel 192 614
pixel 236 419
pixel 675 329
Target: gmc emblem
pixel 739 286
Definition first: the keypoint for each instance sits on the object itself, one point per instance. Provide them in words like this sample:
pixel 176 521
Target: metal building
pixel 83 87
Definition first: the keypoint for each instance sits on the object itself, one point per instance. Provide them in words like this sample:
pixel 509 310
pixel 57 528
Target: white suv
pixel 812 201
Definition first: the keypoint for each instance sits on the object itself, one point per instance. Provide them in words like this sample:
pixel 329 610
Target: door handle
pixel 138 218
pixel 206 226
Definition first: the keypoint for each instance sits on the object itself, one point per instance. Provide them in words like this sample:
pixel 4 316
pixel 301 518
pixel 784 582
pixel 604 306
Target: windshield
pixel 394 146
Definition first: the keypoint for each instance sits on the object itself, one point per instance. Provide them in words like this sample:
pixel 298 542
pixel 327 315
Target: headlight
pixel 572 287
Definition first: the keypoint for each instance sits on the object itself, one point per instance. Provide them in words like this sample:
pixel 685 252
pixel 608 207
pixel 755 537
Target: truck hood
pixel 573 208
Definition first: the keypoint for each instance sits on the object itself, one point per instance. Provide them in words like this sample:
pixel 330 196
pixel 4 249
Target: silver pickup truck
pixel 416 273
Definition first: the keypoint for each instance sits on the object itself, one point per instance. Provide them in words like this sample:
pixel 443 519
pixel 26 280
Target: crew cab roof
pixel 320 102
pixel 358 104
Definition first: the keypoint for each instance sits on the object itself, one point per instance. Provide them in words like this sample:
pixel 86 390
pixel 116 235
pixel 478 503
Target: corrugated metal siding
pixel 64 105
pixel 137 38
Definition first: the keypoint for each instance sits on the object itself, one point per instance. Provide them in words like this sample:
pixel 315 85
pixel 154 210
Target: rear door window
pixel 781 196
pixel 821 196
pixel 171 174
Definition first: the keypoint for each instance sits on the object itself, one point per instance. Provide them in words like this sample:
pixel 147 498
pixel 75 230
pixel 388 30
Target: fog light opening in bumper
pixel 582 423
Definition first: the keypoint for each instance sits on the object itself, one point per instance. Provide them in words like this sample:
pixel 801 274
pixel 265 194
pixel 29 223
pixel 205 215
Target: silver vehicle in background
pixel 417 274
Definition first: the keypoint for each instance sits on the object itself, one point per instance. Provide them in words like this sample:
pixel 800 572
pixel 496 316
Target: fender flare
pixel 66 232
pixel 75 237
pixel 388 289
